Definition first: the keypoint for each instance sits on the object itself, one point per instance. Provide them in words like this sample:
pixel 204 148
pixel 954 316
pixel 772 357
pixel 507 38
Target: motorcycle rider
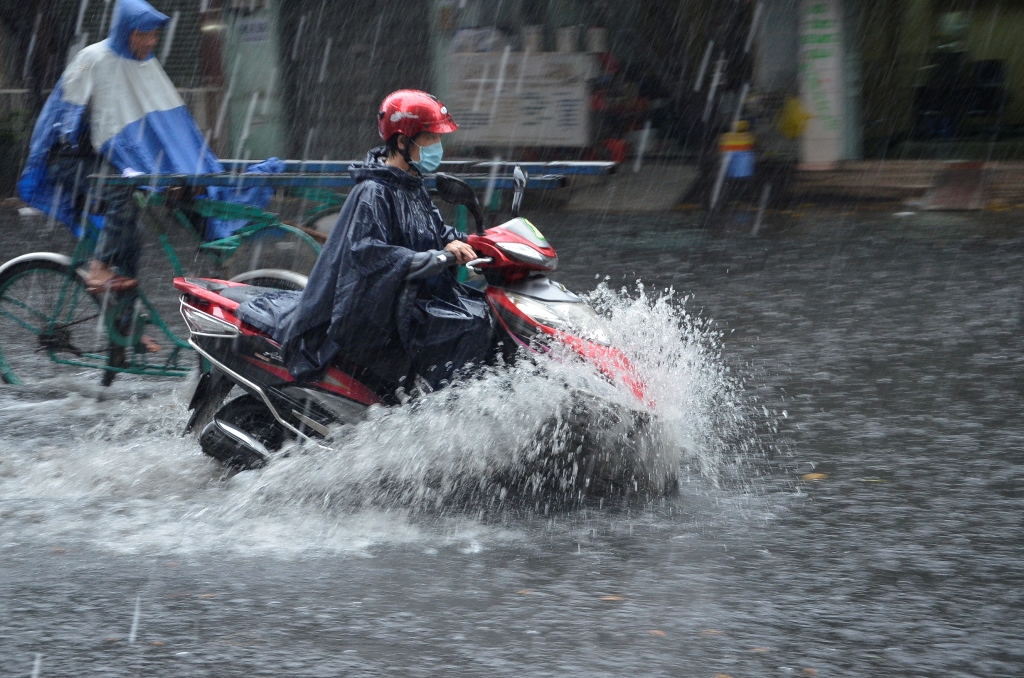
pixel 383 294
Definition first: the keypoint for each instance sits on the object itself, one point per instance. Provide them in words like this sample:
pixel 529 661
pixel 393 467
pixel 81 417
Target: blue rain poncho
pixel 359 305
pixel 130 113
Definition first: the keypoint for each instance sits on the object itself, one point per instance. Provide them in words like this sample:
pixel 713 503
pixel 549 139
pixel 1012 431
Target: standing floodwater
pixel 882 357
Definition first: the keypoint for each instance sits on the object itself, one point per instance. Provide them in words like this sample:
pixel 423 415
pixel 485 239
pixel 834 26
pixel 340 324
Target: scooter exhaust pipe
pixel 233 446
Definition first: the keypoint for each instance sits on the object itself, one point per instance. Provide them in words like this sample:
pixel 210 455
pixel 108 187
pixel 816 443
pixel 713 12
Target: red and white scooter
pixel 534 314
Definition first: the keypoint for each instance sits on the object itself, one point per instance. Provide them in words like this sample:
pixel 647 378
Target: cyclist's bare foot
pixel 149 344
pixel 101 279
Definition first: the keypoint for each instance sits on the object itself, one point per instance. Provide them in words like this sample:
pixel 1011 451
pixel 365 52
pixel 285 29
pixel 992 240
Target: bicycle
pixel 51 325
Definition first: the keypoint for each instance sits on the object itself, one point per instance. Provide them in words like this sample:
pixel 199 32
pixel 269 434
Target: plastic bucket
pixel 741 165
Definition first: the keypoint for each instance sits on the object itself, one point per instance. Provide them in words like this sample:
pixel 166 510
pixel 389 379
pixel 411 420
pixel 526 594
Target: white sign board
pixel 821 81
pixel 521 98
pixel 253 29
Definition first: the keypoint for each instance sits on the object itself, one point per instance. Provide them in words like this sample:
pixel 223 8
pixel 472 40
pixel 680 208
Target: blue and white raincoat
pixel 126 107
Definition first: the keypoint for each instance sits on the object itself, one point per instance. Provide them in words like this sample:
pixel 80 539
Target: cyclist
pixel 113 110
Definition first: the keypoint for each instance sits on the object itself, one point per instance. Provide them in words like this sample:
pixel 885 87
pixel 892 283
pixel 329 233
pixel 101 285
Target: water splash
pixel 534 433
pixel 699 401
pixel 118 475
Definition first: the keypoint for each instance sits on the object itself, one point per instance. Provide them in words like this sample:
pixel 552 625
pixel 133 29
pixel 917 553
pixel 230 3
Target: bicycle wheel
pixel 271 248
pixel 46 317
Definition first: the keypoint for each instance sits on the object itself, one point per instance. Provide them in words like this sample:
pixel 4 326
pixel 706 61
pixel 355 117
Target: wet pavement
pixel 860 516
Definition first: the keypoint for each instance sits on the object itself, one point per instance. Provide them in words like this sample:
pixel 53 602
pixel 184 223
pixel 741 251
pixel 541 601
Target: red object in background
pixel 609 64
pixel 617 149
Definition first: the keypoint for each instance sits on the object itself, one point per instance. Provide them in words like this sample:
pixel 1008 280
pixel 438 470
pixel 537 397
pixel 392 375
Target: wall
pixel 776 61
pixel 996 31
pixel 896 39
pixel 345 59
pixel 254 124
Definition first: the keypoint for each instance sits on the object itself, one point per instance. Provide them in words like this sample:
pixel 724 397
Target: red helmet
pixel 410 111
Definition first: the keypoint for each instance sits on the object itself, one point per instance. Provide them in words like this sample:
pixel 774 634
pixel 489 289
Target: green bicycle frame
pixel 126 319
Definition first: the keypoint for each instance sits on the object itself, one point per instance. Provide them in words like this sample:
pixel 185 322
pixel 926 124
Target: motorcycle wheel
pixel 253 418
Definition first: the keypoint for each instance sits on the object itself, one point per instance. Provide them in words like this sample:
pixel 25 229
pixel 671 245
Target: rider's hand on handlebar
pixel 463 252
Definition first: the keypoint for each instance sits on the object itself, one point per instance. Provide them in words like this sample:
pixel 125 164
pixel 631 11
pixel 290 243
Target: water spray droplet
pixel 172 25
pixel 323 64
pixel 135 619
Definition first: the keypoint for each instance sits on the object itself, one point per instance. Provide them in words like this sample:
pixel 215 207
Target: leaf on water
pixel 759 649
pixel 810 672
pixel 707 633
pixel 111 640
pixel 524 592
pixel 657 632
pixel 172 565
pixel 208 595
pixel 814 476
pixel 158 642
pixel 613 598
pixel 721 675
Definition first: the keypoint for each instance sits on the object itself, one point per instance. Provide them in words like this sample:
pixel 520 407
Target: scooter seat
pixel 243 293
pixel 265 308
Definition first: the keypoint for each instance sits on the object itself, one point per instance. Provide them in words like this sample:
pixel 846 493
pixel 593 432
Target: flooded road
pixel 844 403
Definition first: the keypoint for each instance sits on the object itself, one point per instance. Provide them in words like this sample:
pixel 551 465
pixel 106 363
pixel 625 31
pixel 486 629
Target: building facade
pixel 573 78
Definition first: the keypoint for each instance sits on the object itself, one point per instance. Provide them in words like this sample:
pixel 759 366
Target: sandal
pixel 150 344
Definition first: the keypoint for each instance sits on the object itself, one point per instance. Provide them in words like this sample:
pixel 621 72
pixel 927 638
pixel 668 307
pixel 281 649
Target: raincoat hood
pixel 132 15
pixel 373 167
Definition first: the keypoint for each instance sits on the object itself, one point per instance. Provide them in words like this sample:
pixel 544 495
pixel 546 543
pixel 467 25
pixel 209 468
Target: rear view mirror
pixel 458 192
pixel 519 181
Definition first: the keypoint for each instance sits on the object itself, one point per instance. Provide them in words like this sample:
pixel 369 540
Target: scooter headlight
pixel 572 317
pixel 528 255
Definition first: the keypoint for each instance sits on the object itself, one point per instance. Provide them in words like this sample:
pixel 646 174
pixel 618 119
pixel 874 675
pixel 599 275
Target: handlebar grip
pixel 426 264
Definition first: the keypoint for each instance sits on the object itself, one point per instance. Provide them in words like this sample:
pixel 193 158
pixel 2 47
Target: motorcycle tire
pixel 253 418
